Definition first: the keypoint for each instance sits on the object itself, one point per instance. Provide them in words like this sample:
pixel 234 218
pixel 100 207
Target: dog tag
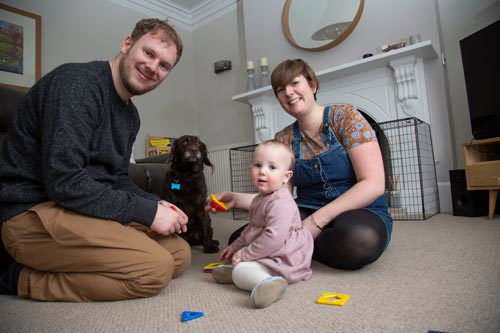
pixel 175 186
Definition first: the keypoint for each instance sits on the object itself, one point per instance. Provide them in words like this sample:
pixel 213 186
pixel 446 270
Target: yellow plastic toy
pixel 208 268
pixel 214 264
pixel 333 299
pixel 217 204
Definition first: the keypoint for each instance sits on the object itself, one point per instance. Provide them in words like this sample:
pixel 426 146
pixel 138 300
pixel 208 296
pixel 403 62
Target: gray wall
pixel 195 100
pixel 378 25
pixel 220 121
pixel 444 22
pixel 79 31
pixel 459 19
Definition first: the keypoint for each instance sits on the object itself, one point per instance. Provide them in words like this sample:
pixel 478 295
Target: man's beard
pixel 125 78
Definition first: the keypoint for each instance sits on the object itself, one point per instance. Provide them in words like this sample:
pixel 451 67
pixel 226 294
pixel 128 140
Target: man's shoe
pixel 268 291
pixel 223 274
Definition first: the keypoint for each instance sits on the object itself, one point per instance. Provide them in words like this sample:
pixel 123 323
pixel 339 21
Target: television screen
pixel 480 59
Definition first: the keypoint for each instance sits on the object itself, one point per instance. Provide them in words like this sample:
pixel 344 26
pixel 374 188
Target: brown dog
pixel 186 188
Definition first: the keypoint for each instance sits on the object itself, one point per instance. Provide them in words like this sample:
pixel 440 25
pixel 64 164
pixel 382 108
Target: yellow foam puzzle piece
pixel 214 264
pixel 333 299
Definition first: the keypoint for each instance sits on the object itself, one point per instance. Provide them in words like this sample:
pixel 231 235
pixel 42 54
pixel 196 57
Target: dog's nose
pixel 193 149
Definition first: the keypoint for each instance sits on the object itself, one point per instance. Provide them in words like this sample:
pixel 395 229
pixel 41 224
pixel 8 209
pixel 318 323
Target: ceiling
pixel 189 4
pixel 186 14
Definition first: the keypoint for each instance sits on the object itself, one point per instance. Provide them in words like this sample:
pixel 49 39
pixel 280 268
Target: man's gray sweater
pixel 70 142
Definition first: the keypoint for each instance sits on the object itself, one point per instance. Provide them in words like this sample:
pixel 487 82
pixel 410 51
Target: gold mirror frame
pixel 345 34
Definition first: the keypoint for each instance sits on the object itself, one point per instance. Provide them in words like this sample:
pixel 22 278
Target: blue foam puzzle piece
pixel 190 315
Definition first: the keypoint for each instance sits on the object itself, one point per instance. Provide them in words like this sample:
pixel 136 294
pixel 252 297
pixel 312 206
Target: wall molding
pixel 180 16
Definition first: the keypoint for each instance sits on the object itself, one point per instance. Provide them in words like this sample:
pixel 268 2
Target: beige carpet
pixel 441 274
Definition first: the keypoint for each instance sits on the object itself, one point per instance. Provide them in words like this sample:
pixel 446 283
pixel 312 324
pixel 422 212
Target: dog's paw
pixel 212 246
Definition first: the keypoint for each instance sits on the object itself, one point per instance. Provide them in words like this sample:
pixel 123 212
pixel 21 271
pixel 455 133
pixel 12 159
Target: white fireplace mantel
pixel 386 86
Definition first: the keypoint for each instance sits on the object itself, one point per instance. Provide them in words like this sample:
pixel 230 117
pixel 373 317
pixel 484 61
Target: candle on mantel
pixel 250 64
pixel 263 61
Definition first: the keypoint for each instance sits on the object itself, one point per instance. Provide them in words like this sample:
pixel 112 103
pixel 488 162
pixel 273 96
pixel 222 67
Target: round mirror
pixel 320 24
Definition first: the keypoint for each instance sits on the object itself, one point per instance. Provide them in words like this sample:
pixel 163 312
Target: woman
pixel 339 173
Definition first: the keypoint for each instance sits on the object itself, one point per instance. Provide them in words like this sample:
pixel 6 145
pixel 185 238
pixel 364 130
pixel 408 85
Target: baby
pixel 274 249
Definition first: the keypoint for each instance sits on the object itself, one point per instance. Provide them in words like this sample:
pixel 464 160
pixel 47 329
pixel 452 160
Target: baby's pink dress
pixel 276 237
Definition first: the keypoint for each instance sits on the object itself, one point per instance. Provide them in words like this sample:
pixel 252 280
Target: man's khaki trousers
pixel 77 258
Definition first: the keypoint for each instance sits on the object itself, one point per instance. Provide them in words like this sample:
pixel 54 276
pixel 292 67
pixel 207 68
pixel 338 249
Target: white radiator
pixel 218 180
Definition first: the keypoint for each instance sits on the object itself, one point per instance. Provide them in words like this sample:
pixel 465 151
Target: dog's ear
pixel 206 160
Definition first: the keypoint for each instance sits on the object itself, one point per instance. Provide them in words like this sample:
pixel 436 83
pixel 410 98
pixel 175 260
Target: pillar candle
pixel 250 64
pixel 263 61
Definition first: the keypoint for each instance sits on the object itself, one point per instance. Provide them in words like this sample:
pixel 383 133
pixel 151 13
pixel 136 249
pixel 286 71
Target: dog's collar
pixel 176 182
pixel 178 179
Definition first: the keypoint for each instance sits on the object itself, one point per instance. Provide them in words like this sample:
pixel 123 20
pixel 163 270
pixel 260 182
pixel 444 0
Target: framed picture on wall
pixel 20 47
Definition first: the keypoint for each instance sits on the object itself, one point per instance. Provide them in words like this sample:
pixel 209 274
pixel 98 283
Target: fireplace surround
pixel 386 87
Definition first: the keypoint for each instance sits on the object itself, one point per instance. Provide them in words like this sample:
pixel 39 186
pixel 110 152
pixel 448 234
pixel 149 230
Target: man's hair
pixel 278 144
pixel 155 26
pixel 288 70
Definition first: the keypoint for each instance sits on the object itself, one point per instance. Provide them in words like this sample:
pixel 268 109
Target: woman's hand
pixel 226 253
pixel 309 224
pixel 227 198
pixel 367 162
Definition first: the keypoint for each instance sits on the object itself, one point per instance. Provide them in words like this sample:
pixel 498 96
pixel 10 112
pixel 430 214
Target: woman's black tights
pixel 351 241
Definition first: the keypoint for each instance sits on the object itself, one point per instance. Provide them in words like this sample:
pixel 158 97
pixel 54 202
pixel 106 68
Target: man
pixel 73 220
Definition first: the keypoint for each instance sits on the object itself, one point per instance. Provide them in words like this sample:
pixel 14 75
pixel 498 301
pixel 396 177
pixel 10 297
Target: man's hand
pixel 169 219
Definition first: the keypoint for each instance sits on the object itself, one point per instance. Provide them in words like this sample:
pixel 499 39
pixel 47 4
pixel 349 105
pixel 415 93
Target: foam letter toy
pixel 217 204
pixel 190 315
pixel 333 299
pixel 213 264
pixel 208 267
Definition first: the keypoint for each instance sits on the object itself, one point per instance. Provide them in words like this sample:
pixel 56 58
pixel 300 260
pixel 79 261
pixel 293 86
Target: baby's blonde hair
pixel 278 144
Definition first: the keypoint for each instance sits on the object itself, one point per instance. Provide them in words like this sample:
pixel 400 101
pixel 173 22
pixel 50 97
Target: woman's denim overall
pixel 325 177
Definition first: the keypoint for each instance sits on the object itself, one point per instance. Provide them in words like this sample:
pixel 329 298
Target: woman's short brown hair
pixel 162 26
pixel 288 70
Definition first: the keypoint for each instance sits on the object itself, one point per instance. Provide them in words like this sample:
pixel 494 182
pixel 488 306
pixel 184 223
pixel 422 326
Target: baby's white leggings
pixel 247 274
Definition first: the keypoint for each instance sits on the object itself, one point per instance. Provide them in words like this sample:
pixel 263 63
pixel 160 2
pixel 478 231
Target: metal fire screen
pixel 411 183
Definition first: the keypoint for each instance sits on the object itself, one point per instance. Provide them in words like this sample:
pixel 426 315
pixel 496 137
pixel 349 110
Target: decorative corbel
pixel 262 130
pixel 404 72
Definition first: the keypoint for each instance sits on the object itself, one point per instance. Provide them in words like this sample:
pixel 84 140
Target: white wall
pixel 80 31
pixel 264 36
pixel 459 19
pixel 220 121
